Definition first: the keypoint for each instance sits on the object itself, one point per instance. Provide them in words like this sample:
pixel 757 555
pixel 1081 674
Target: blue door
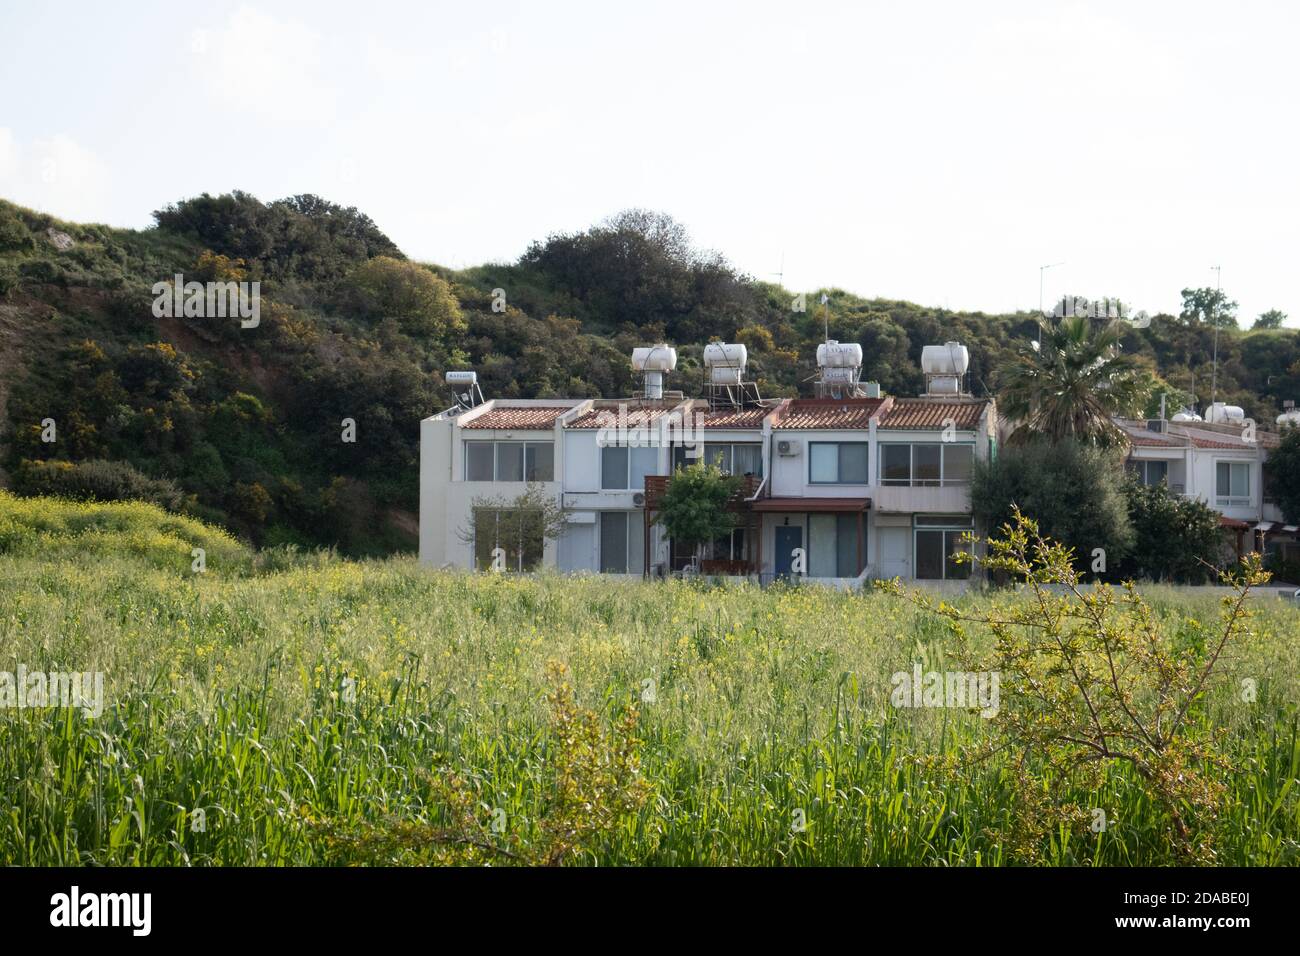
pixel 788 537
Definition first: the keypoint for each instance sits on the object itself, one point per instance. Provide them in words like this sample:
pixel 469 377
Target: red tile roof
pixel 928 414
pixel 520 419
pixel 818 413
pixel 1212 443
pixel 1199 434
pixel 736 418
pixel 1138 434
pixel 1153 440
pixel 1206 438
pixel 611 418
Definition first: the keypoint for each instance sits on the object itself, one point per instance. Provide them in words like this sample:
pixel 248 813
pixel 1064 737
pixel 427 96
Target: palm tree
pixel 1071 385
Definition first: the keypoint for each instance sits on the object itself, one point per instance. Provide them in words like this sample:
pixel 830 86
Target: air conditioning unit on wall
pixel 787 448
pixel 638 499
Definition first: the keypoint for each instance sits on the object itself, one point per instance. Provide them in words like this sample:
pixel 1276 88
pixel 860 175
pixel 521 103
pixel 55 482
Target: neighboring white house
pixel 1223 465
pixel 838 487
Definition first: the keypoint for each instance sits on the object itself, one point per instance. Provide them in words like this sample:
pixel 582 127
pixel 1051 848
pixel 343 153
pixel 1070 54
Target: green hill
pixel 243 427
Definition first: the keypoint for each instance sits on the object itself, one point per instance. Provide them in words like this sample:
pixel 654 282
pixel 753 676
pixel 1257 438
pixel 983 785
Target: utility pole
pixel 780 276
pixel 1041 271
pixel 1214 373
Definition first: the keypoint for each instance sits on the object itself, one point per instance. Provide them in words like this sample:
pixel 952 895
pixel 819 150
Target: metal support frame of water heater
pixel 850 387
pixel 472 396
pixel 947 374
pixel 742 394
pixel 724 377
pixel 652 391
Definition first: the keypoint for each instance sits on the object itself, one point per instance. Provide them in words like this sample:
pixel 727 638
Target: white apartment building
pixel 838 488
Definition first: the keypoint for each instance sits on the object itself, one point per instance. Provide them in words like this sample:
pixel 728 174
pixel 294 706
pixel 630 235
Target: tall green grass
pixel 224 694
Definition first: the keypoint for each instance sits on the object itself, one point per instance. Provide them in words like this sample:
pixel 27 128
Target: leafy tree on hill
pixel 1272 319
pixel 304 236
pixel 420 301
pixel 1153 386
pixel 639 268
pixel 885 347
pixel 1210 307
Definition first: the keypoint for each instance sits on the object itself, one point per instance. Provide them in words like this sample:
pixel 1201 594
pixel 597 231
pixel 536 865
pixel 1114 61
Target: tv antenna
pixel 1214 373
pixel 780 276
pixel 1041 271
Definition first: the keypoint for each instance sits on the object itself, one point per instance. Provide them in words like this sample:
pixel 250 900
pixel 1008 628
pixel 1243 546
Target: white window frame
pixel 1142 467
pixel 731 446
pixel 912 481
pixel 838 463
pixel 1230 500
pixel 627 473
pixel 944 524
pixel 633 550
pixel 496 458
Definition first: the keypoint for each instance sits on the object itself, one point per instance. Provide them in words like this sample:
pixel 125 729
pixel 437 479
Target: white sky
pixel 934 152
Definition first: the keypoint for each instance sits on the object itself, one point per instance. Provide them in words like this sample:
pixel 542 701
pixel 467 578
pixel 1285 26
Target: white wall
pixel 1203 468
pixel 790 475
pixel 581 460
pixel 435 475
pixel 446 500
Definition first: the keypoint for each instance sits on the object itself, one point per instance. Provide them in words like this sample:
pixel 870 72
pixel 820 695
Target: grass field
pixel 230 692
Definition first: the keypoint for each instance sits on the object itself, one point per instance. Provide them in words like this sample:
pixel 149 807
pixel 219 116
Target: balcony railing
pixel 925 482
pixel 657 485
pixel 946 499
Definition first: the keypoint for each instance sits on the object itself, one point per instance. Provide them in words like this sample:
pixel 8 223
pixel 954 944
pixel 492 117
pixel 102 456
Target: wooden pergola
pixel 741 502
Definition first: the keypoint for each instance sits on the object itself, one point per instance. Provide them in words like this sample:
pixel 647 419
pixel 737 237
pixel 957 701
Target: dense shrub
pixel 302 236
pixel 388 288
pixel 1176 538
pixel 1283 474
pixel 60 531
pixel 41 270
pixel 14 235
pixel 97 481
pixel 1092 681
pixel 1074 492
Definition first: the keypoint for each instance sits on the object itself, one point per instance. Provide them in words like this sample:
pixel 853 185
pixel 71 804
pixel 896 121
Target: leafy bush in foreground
pixel 1095 682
